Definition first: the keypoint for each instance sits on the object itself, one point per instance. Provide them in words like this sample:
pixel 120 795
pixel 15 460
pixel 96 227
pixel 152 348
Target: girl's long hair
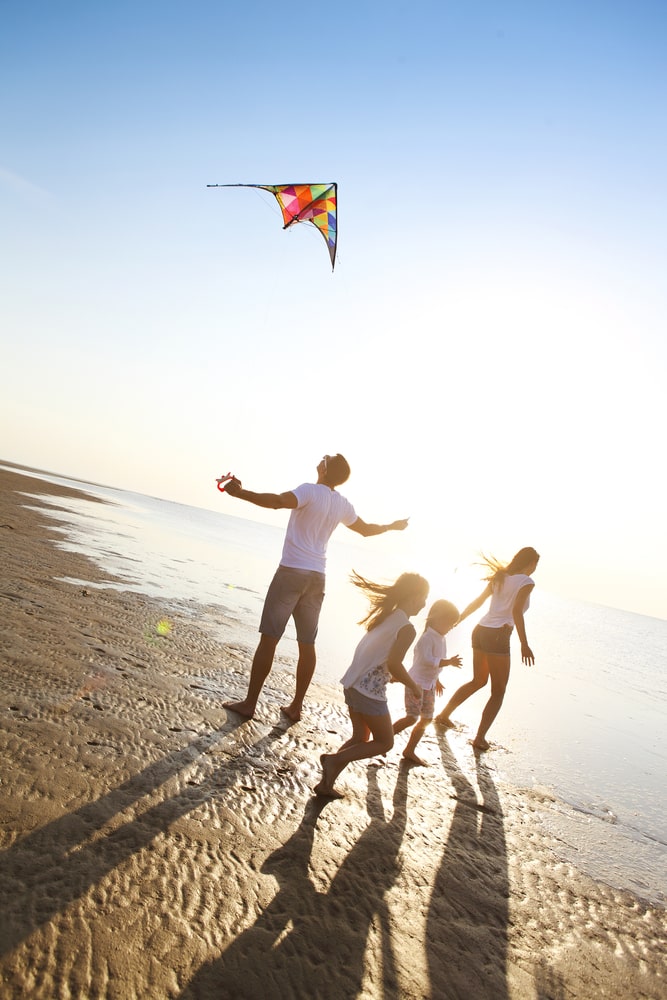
pixel 497 571
pixel 386 597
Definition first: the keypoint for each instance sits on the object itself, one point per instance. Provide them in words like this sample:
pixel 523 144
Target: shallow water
pixel 585 724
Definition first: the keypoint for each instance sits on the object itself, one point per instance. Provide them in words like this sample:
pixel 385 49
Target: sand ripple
pixel 154 847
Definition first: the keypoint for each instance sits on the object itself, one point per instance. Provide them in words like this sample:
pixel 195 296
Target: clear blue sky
pixel 490 352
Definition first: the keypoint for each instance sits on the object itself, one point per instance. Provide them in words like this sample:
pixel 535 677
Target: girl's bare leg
pixel 480 676
pixel 383 740
pixel 401 724
pixel 360 731
pixel 499 668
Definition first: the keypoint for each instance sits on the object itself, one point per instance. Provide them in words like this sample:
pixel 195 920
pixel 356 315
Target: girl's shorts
pixel 422 707
pixel 358 702
pixel 492 640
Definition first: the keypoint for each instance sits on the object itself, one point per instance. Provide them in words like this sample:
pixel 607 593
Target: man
pixel 297 589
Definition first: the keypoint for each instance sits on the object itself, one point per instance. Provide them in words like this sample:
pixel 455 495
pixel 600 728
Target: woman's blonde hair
pixel 386 597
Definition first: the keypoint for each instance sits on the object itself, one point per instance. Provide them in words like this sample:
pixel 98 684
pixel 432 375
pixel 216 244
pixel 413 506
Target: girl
pixel 377 659
pixel 427 663
pixel 509 588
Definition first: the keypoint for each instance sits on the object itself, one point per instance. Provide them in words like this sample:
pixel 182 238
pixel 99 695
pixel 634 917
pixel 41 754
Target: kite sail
pixel 314 203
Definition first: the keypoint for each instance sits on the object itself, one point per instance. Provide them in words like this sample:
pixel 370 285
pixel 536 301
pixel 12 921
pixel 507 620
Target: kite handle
pixel 223 480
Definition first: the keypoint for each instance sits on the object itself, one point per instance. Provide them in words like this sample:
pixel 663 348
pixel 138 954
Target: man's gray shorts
pixel 293 592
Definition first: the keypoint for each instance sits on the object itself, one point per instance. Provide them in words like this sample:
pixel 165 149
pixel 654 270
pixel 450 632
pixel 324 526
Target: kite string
pixel 269 200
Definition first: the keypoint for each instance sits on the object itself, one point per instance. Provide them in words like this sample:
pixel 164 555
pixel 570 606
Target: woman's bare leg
pixel 499 669
pixel 401 724
pixel 480 676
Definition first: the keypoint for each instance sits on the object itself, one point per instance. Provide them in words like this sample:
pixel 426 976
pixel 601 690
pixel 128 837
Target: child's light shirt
pixel 368 671
pixel 431 648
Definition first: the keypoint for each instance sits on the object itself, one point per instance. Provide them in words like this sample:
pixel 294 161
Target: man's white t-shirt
pixel 319 512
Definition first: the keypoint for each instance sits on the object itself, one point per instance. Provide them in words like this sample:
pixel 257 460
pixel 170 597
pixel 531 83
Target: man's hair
pixel 338 470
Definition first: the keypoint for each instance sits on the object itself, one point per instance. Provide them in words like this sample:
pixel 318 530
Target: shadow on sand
pixel 468 913
pixel 308 943
pixel 77 859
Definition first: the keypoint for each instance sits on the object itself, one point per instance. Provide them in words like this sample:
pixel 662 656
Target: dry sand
pixel 154 847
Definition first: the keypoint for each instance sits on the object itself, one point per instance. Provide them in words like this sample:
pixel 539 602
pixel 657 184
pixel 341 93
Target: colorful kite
pixel 314 203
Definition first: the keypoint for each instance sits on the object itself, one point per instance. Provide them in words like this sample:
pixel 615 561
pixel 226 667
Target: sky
pixel 489 353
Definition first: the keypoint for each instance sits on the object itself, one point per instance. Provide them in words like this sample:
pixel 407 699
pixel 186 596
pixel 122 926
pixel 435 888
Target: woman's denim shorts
pixel 495 641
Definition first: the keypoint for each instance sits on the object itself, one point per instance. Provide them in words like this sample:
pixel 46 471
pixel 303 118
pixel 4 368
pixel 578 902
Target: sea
pixel 584 731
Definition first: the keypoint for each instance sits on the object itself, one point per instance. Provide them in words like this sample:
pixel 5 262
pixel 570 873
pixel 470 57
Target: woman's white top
pixel 503 598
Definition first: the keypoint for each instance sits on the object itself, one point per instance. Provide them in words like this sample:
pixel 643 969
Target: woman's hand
pixel 439 689
pixel 527 654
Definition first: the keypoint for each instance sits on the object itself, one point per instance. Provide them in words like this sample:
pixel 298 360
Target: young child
pixel 428 660
pixel 377 658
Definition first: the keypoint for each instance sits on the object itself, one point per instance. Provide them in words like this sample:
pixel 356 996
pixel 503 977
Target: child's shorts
pixel 423 707
pixel 358 702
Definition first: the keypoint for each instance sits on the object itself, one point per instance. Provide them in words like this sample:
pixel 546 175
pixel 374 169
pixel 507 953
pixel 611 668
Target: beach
pixel 155 846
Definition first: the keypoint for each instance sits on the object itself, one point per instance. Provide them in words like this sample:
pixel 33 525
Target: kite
pixel 315 203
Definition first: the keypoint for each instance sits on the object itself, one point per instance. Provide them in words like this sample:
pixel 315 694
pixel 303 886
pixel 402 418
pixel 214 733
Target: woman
pixel 509 588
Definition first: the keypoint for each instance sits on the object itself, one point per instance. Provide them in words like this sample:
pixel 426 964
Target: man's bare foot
pixel 444 721
pixel 291 712
pixel 240 707
pixel 413 758
pixel 329 775
pixel 481 744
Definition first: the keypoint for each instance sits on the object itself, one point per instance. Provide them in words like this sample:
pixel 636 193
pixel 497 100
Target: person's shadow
pixel 80 854
pixel 307 943
pixel 467 922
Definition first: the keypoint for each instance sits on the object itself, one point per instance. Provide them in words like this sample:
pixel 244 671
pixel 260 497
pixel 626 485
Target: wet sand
pixel 154 846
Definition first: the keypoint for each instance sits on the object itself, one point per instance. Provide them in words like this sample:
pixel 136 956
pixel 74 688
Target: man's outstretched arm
pixel 272 501
pixel 377 529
